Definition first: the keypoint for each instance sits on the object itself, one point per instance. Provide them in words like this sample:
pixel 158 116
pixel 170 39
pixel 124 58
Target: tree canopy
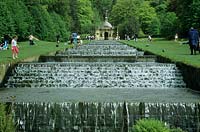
pixel 47 18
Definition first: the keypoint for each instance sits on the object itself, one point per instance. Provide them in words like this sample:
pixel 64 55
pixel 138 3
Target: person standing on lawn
pixel 31 38
pixel 176 37
pixel 193 36
pixel 15 48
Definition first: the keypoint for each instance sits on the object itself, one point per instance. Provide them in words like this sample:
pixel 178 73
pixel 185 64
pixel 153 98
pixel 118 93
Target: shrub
pixel 152 125
pixel 6 120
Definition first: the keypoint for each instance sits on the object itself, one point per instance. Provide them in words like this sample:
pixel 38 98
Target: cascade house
pixel 105 31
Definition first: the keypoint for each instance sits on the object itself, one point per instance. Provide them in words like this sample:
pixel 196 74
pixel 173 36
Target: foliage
pixel 124 17
pixel 102 6
pixel 62 9
pixel 122 11
pixel 47 18
pixel 75 25
pixel 129 27
pixel 60 27
pixel 6 120
pixel 147 17
pixel 85 16
pixel 187 13
pixel 131 16
pixel 155 27
pixel 43 23
pixel 169 25
pixel 21 18
pixel 152 125
pixel 6 21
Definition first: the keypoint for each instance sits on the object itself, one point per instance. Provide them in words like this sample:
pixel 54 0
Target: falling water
pixel 96 48
pixel 99 116
pixel 95 75
pixel 104 117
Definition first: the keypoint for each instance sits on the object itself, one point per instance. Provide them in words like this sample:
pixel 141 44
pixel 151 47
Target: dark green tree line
pixel 47 18
pixel 187 13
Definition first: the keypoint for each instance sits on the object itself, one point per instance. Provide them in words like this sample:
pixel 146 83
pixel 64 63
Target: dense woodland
pixel 47 18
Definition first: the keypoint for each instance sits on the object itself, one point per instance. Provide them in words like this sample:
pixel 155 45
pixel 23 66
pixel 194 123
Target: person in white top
pixel 31 38
pixel 15 48
pixel 150 38
pixel 176 37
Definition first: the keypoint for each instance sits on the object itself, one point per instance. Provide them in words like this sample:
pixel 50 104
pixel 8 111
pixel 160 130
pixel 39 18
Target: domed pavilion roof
pixel 106 24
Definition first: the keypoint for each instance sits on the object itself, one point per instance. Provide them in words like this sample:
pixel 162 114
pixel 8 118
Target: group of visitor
pixel 4 42
pixel 193 40
pixel 90 37
pixel 135 37
pixel 76 40
pixel 14 47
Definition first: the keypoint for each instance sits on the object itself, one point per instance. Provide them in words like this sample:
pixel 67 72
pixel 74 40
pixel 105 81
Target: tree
pixel 155 27
pixel 75 23
pixel 148 18
pixel 129 27
pixel 187 13
pixel 44 29
pixel 85 16
pixel 62 8
pixel 195 16
pixel 134 15
pixel 60 26
pixel 169 25
pixel 21 17
pixel 7 22
pixel 102 6
pixel 122 11
pixel 123 16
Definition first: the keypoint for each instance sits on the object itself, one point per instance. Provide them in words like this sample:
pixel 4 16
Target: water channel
pixel 107 93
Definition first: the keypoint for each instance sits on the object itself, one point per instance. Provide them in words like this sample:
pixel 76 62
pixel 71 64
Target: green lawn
pixel 175 51
pixel 26 50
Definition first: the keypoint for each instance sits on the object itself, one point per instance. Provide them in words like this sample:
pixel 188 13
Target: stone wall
pixel 191 76
pixel 3 70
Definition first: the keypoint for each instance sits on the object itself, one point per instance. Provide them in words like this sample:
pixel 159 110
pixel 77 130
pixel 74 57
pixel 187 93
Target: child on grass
pixel 15 48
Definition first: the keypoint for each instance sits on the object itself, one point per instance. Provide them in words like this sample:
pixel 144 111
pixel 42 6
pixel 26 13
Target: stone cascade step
pixel 106 42
pixel 96 75
pixel 96 48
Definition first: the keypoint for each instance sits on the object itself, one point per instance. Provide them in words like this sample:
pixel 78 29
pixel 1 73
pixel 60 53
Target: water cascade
pixel 96 75
pixel 103 117
pixel 101 50
pixel 110 70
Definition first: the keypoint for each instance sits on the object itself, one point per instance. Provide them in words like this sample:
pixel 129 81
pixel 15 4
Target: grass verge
pixel 175 51
pixel 26 50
